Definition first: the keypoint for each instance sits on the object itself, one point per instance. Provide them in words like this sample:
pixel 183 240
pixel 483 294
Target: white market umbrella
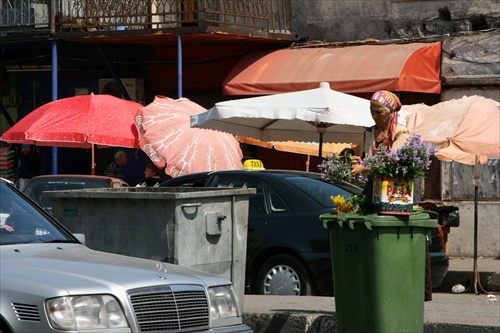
pixel 296 116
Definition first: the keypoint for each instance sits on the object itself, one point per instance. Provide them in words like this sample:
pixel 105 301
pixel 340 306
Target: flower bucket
pixel 393 196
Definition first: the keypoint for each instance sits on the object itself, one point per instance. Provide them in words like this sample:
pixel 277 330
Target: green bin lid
pixel 375 220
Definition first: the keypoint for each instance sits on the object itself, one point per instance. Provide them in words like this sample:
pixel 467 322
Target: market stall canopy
pixel 294 116
pixel 411 67
pixel 298 147
pixel 304 148
pixel 461 128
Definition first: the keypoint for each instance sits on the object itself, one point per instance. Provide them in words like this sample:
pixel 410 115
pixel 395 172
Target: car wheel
pixel 283 275
pixel 4 328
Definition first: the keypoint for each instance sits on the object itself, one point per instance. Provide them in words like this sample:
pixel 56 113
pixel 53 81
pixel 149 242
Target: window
pixel 318 190
pixel 256 203
pixel 277 205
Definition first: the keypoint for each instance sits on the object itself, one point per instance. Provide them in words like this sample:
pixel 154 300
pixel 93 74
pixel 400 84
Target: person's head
pixel 383 106
pixel 121 157
pixel 151 171
pixel 347 152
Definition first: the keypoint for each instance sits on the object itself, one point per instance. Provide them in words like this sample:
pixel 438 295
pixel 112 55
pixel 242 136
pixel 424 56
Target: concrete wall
pixel 457 93
pixel 349 20
pixel 458 189
pixel 458 181
pixel 461 239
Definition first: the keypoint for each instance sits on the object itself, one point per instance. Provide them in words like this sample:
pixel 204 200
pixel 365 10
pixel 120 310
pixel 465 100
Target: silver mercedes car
pixel 51 282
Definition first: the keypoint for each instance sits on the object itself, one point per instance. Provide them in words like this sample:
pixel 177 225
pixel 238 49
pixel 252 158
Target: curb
pixel 317 323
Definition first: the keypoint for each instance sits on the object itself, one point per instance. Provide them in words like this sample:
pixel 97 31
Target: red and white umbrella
pixel 166 137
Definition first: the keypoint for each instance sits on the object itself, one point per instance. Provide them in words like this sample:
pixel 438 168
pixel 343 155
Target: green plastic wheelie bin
pixel 379 270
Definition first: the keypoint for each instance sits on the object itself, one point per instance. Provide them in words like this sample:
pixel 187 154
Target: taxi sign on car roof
pixel 253 165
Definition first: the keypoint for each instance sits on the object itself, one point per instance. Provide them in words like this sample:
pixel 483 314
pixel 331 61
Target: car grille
pixel 170 308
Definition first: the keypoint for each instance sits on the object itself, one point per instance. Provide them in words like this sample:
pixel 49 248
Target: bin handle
pixel 197 204
pixel 342 219
pixel 190 213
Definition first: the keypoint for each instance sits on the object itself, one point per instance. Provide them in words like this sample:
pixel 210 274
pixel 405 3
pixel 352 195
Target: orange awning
pixel 411 67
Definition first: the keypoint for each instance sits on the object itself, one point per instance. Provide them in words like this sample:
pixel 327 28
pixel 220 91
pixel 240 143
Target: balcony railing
pixel 15 14
pixel 105 15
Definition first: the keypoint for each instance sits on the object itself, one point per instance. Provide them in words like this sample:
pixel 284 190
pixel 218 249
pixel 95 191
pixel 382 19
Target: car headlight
pixel 222 302
pixel 85 312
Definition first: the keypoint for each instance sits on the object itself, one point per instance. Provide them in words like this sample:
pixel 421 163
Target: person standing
pixel 387 134
pixel 116 168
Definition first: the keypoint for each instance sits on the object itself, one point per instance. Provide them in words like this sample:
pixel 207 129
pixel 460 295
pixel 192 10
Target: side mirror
pixel 80 237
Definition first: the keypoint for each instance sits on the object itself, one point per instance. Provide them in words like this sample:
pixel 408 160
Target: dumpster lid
pixel 152 192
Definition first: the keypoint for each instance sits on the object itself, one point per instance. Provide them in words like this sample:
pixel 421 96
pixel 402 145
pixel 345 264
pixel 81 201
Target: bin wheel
pixel 283 275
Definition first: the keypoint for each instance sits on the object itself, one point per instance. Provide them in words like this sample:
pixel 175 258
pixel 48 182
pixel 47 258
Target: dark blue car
pixel 288 250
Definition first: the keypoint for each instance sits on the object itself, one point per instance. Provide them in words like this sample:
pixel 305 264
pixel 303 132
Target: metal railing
pixel 272 16
pixel 15 14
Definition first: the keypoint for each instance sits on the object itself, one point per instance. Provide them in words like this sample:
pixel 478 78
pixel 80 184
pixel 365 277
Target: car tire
pixel 283 275
pixel 4 328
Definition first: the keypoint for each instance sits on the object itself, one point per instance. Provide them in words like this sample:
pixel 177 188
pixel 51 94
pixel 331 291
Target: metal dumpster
pixel 201 228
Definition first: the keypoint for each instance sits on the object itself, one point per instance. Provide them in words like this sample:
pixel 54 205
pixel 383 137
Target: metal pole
pixel 179 66
pixel 321 130
pixel 475 227
pixel 320 151
pixel 475 272
pixel 54 98
pixel 93 161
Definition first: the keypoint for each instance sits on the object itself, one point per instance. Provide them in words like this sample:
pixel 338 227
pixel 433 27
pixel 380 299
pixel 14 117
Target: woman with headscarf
pixel 388 133
pixel 384 107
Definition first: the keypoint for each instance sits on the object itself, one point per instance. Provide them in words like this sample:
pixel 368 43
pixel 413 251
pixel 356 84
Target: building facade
pixel 52 49
pixel 470 36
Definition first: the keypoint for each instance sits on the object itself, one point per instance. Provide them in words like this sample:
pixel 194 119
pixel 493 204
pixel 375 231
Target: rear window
pixel 318 190
pixel 35 189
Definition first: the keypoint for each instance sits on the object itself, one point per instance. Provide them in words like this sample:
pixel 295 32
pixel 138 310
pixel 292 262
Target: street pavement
pixel 446 313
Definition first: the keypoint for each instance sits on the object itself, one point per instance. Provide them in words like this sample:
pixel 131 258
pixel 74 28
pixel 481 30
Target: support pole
pixel 54 98
pixel 321 130
pixel 179 66
pixel 93 161
pixel 476 277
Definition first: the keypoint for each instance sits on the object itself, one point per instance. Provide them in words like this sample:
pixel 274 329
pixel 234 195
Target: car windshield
pixel 35 188
pixel 21 222
pixel 318 190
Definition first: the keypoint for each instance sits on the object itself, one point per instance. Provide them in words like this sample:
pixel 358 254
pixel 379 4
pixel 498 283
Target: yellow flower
pixel 343 206
pixel 338 200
